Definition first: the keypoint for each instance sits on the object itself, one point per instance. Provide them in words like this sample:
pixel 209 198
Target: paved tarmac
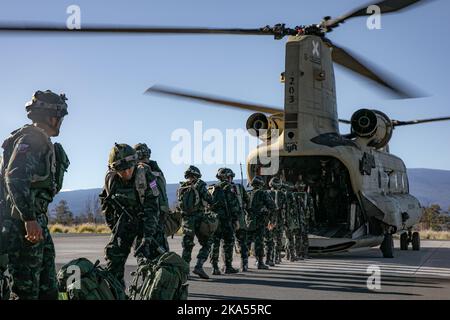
pixel 411 274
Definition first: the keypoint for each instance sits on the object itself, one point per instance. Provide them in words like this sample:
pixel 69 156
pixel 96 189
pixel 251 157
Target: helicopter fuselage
pixel 368 184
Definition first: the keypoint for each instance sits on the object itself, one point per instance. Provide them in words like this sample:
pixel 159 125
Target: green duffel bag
pixel 93 283
pixel 164 278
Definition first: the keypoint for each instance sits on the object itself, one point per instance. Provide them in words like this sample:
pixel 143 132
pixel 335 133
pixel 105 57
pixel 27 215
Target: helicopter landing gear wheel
pixel 387 246
pixel 416 241
pixel 404 241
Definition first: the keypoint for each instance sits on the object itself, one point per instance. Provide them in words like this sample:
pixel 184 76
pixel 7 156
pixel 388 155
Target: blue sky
pixel 104 77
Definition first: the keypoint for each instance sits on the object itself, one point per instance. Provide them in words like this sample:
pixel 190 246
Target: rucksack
pixel 164 278
pixel 95 283
pixel 188 198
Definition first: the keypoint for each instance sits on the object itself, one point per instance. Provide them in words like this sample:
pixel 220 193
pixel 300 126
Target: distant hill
pixel 428 185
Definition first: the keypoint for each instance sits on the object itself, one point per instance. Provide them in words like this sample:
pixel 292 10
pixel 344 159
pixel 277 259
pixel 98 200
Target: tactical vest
pixel 134 194
pixel 43 187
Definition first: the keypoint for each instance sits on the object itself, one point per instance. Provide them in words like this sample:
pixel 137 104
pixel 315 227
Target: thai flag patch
pixel 153 184
pixel 23 147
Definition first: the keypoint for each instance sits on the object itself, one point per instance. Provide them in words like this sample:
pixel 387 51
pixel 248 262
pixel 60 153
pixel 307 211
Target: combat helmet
pixel 300 186
pixel 122 157
pixel 257 181
pixel 46 104
pixel 192 171
pixel 143 151
pixel 224 173
pixel 275 183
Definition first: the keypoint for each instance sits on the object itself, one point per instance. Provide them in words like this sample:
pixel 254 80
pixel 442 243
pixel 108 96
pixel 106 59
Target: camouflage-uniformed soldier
pixel 278 219
pixel 303 245
pixel 241 234
pixel 130 204
pixel 226 206
pixel 144 153
pixel 257 218
pixel 192 198
pixel 291 227
pixel 32 174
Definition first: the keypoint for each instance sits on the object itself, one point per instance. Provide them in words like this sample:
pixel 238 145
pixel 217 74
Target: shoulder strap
pixel 141 182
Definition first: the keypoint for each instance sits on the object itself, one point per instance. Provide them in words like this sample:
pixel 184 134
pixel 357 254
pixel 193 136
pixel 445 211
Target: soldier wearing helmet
pixel 226 206
pixel 31 175
pixel 193 199
pixel 274 237
pixel 292 225
pixel 241 234
pixel 143 153
pixel 130 204
pixel 301 197
pixel 260 203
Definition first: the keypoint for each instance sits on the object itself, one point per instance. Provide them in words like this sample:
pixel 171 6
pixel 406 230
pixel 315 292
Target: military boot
pixel 198 270
pixel 278 258
pixel 270 263
pixel 292 257
pixel 216 270
pixel 260 264
pixel 229 269
pixel 244 265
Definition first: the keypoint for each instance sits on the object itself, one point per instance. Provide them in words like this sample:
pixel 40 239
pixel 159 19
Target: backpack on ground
pixel 80 279
pixel 164 278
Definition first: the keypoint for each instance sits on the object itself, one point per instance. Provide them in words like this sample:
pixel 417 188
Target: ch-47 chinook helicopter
pixel 361 190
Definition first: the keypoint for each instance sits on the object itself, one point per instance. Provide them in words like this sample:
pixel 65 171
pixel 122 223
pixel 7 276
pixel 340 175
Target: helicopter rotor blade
pixel 397 123
pixel 348 60
pixel 386 6
pixel 204 98
pixel 49 28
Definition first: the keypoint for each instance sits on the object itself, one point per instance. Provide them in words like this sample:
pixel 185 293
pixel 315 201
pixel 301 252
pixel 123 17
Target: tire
pixel 387 247
pixel 416 241
pixel 404 241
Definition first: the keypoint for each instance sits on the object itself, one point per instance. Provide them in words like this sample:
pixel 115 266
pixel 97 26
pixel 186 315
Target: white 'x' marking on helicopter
pixel 316 49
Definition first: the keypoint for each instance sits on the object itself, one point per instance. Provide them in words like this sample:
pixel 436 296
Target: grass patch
pixel 82 228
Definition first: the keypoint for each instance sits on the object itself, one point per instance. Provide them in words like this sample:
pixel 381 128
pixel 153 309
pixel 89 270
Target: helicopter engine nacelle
pixel 373 126
pixel 261 126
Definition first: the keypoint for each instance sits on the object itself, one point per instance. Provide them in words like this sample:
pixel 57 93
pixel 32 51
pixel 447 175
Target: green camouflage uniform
pixel 226 205
pixel 192 221
pixel 140 198
pixel 257 219
pixel 31 175
pixel 291 225
pixel 278 220
pixel 241 234
pixel 302 246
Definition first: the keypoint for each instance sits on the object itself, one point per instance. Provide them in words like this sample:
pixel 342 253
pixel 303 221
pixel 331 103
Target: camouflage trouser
pixel 191 225
pixel 293 242
pixel 269 244
pixel 304 248
pixel 32 266
pixel 278 240
pixel 125 236
pixel 242 241
pixel 224 232
pixel 257 236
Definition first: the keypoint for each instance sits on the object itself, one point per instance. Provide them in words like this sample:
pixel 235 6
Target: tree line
pixel 92 213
